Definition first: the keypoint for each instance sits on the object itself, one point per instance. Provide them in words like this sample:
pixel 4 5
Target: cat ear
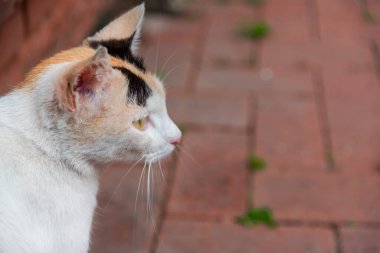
pixel 120 35
pixel 86 82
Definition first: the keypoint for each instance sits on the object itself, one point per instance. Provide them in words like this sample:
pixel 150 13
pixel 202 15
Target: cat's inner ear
pixel 86 81
pixel 122 34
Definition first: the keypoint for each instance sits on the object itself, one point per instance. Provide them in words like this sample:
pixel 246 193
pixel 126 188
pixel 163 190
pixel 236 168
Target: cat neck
pixel 20 113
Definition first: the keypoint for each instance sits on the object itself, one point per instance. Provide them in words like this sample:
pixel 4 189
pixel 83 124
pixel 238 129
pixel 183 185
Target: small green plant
pixel 368 17
pixel 255 2
pixel 256 163
pixel 255 31
pixel 351 223
pixel 256 216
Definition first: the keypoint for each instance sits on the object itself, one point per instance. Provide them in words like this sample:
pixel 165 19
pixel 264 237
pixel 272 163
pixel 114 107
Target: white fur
pixel 46 205
pixel 48 185
pixel 48 179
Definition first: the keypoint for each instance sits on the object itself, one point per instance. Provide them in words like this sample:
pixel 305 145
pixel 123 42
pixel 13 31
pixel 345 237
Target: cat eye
pixel 141 123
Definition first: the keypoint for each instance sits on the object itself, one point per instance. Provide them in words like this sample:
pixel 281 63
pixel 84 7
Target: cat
pixel 81 108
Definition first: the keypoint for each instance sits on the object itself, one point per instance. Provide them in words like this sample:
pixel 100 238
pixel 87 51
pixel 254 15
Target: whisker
pixel 162 173
pixel 170 71
pixel 152 200
pixel 183 150
pixel 186 168
pixel 138 187
pixel 137 195
pixel 121 181
pixel 167 60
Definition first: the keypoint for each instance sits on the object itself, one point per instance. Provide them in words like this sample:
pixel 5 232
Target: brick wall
pixel 31 30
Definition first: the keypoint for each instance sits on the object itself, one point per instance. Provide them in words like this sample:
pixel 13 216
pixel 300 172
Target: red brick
pixel 169 48
pixel 117 227
pixel 213 182
pixel 245 80
pixel 341 23
pixel 51 36
pixel 351 89
pixel 82 22
pixel 173 61
pixel 40 44
pixel 235 13
pixel 332 197
pixel 14 74
pixel 223 45
pixel 192 237
pixel 6 9
pixel 290 61
pixel 39 12
pixel 286 51
pixel 210 111
pixel 11 36
pixel 289 22
pixel 360 240
pixel 289 134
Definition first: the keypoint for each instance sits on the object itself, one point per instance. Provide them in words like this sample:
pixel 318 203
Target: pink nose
pixel 175 142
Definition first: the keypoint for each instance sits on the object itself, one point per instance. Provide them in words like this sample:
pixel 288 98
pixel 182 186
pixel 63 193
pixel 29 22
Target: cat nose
pixel 176 141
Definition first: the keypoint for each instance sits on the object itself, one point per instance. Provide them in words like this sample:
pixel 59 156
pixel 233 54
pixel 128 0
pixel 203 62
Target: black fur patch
pixel 120 49
pixel 138 90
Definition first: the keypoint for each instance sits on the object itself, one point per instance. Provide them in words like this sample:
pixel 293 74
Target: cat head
pixel 102 101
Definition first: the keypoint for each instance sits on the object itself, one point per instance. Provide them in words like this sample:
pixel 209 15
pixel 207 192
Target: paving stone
pixel 210 111
pixel 192 237
pixel 224 46
pixel 118 226
pixel 341 22
pixel 211 175
pixel 233 80
pixel 332 197
pixel 351 91
pixel 288 134
pixel 169 48
pixel 360 240
pixel 289 22
pixel 11 30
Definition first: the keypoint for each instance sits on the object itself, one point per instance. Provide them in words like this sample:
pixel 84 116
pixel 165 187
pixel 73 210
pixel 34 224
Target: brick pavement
pixel 314 119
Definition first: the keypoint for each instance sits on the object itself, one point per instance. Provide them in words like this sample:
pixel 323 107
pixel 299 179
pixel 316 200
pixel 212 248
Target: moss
pixel 256 163
pixel 351 223
pixel 256 216
pixel 255 31
pixel 368 17
pixel 255 2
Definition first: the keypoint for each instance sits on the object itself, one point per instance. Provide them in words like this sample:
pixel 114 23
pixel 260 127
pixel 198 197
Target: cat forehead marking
pixel 82 53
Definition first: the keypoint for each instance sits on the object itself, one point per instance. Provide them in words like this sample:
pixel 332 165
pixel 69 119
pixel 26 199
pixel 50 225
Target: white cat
pixel 74 111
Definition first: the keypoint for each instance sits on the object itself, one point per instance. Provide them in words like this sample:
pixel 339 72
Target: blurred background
pixel 279 103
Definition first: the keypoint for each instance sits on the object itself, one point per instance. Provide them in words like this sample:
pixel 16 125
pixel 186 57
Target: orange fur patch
pixel 78 54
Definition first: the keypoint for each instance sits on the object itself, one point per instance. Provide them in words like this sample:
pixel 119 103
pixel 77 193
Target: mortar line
pixel 322 111
pixel 165 202
pixel 197 58
pixel 374 47
pixel 337 237
pixel 253 112
pixel 313 20
pixel 319 87
pixel 251 134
